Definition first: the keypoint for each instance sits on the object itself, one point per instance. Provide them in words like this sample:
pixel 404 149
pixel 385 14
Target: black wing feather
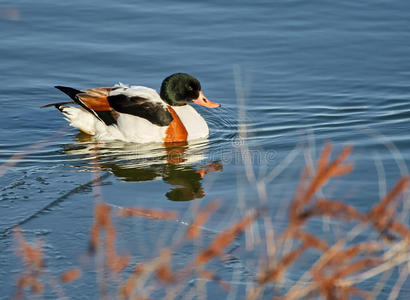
pixel 72 93
pixel 156 113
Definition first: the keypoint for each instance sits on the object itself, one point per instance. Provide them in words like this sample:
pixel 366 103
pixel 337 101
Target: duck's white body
pixel 129 127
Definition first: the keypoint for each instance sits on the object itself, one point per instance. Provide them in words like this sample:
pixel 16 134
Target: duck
pixel 132 113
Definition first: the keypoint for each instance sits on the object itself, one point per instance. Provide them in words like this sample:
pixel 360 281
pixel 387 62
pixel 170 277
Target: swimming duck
pixel 139 114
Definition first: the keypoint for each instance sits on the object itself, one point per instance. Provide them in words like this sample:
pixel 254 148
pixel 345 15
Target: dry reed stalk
pixel 70 275
pixel 158 266
pixel 102 218
pixel 332 267
pixel 401 186
pixel 206 274
pixel 299 212
pixel 32 256
pixel 329 290
pixel 310 240
pixel 404 273
pixel 398 254
pixel 330 286
pixel 325 171
pixel 147 213
pixel 214 250
pixel 28 281
pixel 276 273
pixel 341 256
pixel 401 229
pixel 348 291
pixel 355 267
pixel 194 230
pixel 382 215
pixel 163 271
pixel 103 222
pixel 332 209
pixel 333 276
pixel 224 239
pixel 127 288
pixel 336 263
pixel 34 266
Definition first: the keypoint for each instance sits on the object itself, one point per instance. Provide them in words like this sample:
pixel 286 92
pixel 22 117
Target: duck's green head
pixel 180 88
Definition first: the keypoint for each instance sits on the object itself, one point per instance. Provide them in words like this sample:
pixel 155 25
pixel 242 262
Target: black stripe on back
pixel 107 116
pixel 156 113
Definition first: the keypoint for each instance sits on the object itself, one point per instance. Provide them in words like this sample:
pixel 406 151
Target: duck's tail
pixel 72 93
pixel 79 118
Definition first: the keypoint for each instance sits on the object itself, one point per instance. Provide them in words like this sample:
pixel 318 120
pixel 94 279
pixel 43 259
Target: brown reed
pixel 334 275
pixel 336 263
pixel 194 230
pixel 224 239
pixel 147 213
pixel 70 275
pixel 102 223
pixel 33 260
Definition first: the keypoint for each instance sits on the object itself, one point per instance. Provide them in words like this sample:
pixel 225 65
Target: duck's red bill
pixel 202 100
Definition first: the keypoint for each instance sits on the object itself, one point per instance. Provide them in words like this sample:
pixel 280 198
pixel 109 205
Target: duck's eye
pixel 190 88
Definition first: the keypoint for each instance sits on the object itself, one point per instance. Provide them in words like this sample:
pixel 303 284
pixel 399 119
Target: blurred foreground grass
pixel 338 268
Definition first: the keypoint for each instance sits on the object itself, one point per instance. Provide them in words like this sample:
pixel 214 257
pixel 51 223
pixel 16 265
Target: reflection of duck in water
pixel 186 180
pixel 177 165
pixel 139 114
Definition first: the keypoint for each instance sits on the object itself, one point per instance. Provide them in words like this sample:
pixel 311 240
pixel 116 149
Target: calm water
pixel 338 71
